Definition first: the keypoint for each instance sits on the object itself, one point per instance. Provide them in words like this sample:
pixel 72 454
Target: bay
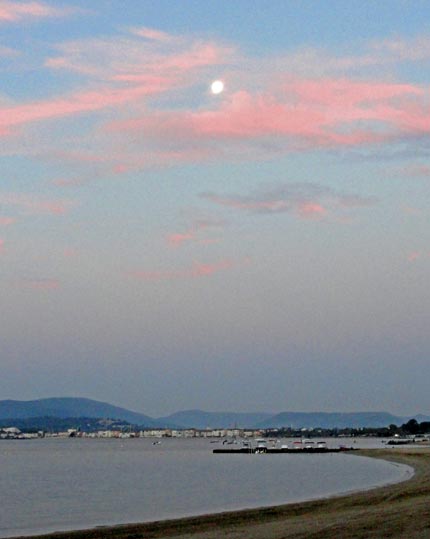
pixel 63 484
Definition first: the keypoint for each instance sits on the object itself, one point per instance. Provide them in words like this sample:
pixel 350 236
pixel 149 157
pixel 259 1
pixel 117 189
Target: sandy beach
pixel 401 510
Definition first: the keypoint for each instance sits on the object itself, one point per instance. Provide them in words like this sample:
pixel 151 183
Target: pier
pixel 279 450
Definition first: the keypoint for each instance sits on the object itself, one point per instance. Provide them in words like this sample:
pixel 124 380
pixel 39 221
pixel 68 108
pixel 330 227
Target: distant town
pixel 70 417
pixel 114 429
pixel 15 433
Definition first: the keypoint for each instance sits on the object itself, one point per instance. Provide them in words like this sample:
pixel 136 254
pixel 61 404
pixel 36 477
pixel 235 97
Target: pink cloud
pixel 415 170
pixel 285 112
pixel 80 156
pixel 305 112
pixel 159 60
pixel 68 182
pixel 5 221
pixel 132 75
pixel 70 252
pixel 316 110
pixel 344 93
pixel 40 284
pixel 398 49
pixel 1 246
pixel 117 160
pixel 35 205
pixel 178 238
pixel 242 116
pixel 410 210
pixel 151 33
pixel 209 241
pixel 160 64
pixel 8 52
pixel 311 210
pixel 194 232
pixel 78 103
pixel 413 256
pixel 240 203
pixel 155 275
pixel 202 270
pixel 197 270
pixel 16 11
pixel 120 168
pixel 105 168
pixel 306 200
pixel 199 55
pixel 245 115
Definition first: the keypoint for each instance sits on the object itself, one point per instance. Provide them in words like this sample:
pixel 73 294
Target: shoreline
pixel 400 509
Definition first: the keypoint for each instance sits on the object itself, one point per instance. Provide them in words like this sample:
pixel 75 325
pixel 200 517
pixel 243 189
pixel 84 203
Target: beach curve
pixel 397 510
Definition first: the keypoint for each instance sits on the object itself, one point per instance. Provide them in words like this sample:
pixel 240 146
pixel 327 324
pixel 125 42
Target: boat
pixel 308 444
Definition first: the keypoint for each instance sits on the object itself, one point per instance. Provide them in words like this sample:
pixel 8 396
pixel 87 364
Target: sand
pixel 401 510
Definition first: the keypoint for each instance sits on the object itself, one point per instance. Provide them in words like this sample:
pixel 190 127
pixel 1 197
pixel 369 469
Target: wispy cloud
pixel 311 210
pixel 412 171
pixel 11 11
pixel 78 103
pixel 70 252
pixel 178 238
pixel 160 60
pixel 197 270
pixel 413 256
pixel 316 110
pixel 138 89
pixel 8 52
pixel 305 200
pixel 400 49
pixel 152 34
pixel 374 58
pixel 39 284
pixel 301 114
pixel 5 221
pixel 118 73
pixel 194 233
pixel 411 210
pixel 35 205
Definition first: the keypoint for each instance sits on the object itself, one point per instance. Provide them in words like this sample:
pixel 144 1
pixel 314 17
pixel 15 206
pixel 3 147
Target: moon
pixel 217 87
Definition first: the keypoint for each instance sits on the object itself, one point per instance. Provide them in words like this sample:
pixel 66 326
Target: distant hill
pixel 421 418
pixel 326 420
pixel 202 420
pixel 71 407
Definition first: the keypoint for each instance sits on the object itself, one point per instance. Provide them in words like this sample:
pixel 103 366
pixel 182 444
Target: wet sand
pixel 396 511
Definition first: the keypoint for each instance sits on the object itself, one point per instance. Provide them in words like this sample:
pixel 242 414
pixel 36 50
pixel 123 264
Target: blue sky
pixel 163 247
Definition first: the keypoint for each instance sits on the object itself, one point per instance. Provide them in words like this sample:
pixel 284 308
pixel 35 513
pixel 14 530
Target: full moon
pixel 217 86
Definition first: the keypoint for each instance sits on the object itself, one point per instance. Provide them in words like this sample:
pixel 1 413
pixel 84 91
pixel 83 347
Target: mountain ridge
pixel 67 407
pixel 332 420
pixel 202 419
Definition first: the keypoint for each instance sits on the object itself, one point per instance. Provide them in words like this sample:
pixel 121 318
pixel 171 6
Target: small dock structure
pixel 297 448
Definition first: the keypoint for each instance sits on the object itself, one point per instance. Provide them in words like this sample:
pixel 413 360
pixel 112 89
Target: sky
pixel 264 248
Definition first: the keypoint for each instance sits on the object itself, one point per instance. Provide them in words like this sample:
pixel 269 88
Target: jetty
pixel 279 450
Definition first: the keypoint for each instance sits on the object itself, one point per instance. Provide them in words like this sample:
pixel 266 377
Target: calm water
pixel 52 484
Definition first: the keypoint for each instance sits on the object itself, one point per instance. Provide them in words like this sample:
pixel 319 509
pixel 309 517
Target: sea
pixel 54 484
